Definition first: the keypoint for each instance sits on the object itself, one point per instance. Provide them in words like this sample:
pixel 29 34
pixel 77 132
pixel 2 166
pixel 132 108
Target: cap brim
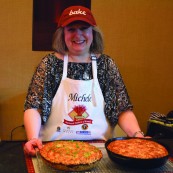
pixel 70 20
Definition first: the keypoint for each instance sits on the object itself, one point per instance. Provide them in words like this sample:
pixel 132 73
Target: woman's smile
pixel 78 41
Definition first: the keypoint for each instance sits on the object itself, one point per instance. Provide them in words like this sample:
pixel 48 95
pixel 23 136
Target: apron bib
pixel 77 111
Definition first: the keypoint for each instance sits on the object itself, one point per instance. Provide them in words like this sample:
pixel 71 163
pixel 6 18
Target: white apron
pixel 77 110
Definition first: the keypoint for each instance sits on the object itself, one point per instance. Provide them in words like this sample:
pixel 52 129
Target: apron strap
pixel 94 70
pixel 65 65
pixel 94 66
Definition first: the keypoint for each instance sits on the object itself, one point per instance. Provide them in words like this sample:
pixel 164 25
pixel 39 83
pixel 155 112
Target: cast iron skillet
pixel 135 162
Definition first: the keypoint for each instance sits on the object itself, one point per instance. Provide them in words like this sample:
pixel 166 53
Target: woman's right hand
pixel 31 145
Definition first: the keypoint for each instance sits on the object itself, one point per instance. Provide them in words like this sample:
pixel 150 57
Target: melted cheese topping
pixel 138 148
pixel 70 152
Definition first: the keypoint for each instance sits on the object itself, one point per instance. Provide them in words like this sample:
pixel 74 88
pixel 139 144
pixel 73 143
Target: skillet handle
pixel 158 136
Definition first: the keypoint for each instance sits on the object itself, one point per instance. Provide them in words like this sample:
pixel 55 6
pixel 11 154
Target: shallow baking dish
pixel 135 162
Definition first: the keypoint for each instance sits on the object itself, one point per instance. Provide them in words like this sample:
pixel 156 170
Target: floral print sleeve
pixel 43 86
pixel 115 94
pixel 48 75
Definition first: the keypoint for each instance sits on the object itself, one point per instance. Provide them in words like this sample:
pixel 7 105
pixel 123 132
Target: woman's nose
pixel 78 31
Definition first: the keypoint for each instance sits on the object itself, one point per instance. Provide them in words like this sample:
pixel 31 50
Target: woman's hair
pixel 59 45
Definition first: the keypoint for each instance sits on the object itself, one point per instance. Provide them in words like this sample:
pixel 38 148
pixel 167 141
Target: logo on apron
pixel 78 116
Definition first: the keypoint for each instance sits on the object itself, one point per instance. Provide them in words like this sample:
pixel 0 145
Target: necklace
pixel 86 75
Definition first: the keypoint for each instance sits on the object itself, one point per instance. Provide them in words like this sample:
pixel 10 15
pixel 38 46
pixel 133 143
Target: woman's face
pixel 78 37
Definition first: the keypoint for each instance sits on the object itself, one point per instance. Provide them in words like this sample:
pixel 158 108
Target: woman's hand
pixel 31 145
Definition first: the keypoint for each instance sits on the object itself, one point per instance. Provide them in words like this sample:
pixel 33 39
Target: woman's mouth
pixel 78 41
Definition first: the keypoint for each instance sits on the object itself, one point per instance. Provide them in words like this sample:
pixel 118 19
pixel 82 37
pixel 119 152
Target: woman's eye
pixel 84 28
pixel 71 29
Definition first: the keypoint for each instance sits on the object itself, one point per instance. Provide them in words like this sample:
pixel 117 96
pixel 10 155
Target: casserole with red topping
pixel 71 155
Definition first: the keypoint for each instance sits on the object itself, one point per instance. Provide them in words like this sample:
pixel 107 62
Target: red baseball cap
pixel 74 13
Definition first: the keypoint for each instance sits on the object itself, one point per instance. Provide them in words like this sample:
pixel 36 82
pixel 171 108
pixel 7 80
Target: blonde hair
pixel 59 45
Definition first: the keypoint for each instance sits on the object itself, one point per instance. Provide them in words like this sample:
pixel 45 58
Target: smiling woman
pixel 45 15
pixel 77 69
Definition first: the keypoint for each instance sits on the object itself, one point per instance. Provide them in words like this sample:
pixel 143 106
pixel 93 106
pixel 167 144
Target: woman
pixel 77 92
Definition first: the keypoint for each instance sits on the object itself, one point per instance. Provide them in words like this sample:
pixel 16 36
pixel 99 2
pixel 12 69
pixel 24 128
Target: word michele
pixel 76 97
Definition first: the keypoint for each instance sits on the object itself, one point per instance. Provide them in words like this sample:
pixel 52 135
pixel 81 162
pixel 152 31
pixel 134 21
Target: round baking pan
pixel 78 166
pixel 135 162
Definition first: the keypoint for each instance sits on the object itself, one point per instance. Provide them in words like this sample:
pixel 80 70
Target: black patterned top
pixel 47 78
